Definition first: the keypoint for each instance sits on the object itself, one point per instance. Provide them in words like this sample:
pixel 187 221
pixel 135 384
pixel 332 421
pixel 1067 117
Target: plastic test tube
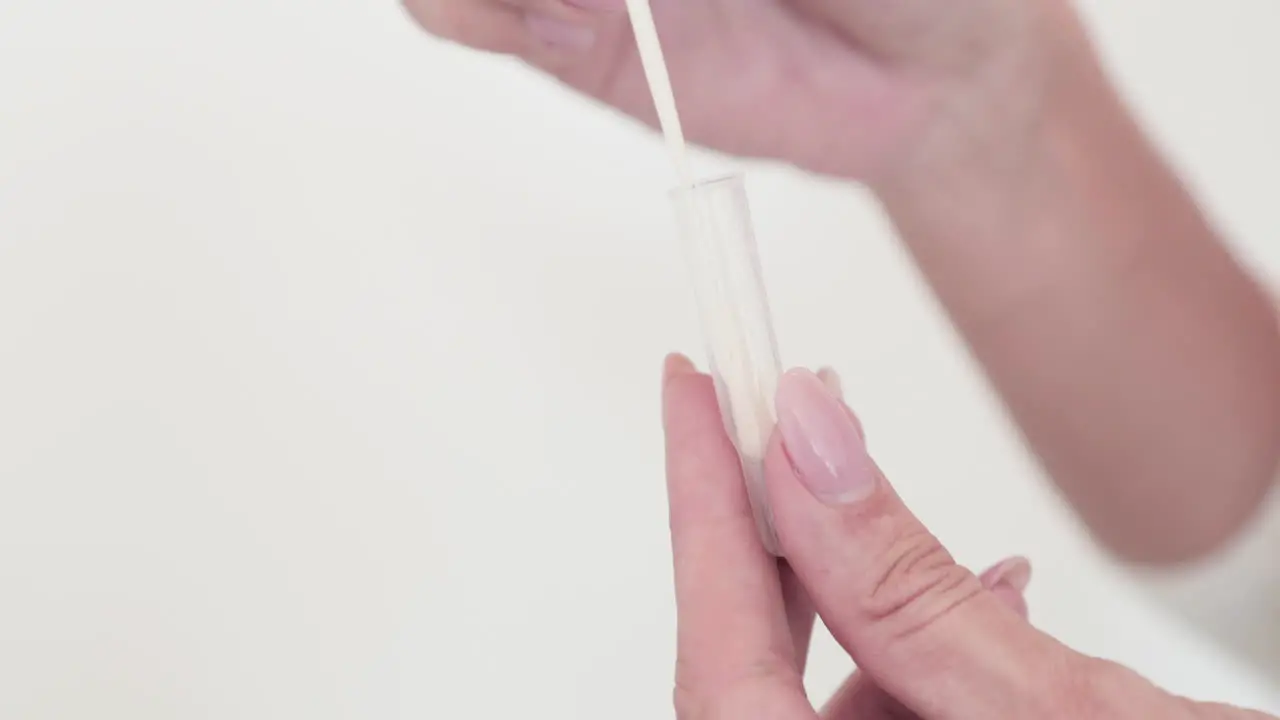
pixel 719 241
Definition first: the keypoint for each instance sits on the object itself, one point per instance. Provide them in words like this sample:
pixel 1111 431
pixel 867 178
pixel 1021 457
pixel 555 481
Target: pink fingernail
pixel 822 440
pixel 835 386
pixel 831 379
pixel 1014 572
pixel 561 34
pixel 676 365
pixel 597 5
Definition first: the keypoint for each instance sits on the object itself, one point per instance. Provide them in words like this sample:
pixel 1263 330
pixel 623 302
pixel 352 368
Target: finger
pixel 831 379
pixel 923 628
pixel 482 24
pixel 1008 581
pixel 1218 711
pixel 905 28
pixel 858 699
pixel 800 612
pixel 540 31
pixel 562 27
pixel 735 653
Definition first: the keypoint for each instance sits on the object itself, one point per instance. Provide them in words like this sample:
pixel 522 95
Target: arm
pixel 1139 359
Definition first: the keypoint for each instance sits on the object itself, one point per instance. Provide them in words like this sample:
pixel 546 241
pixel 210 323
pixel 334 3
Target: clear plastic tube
pixel 720 246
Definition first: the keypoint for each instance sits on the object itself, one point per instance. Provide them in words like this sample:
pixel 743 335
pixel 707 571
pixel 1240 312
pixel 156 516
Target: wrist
pixel 990 202
pixel 998 135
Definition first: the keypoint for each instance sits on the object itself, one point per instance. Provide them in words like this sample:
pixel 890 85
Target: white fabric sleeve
pixel 1234 596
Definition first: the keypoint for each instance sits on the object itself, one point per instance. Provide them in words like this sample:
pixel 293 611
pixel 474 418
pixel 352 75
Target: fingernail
pixel 597 5
pixel 1014 572
pixel 822 441
pixel 675 365
pixel 561 34
pixel 831 379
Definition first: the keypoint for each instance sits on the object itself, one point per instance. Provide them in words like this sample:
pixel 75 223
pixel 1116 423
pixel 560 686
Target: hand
pixel 859 88
pixel 934 642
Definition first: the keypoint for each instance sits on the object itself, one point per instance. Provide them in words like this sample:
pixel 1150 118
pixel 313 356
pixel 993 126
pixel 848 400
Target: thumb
pixel 922 627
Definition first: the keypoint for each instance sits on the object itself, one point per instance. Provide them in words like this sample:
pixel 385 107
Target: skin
pixel 1138 358
pixel 932 641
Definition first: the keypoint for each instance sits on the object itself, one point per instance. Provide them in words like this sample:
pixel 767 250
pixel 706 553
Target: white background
pixel 329 356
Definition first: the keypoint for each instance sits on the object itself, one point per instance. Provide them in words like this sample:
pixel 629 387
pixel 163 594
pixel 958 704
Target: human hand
pixel 858 88
pixel 933 641
pixel 1073 262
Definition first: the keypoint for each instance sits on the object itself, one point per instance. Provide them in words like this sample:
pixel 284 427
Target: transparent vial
pixel 720 247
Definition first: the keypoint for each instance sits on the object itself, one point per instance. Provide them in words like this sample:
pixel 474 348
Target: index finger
pixel 924 628
pixel 735 652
